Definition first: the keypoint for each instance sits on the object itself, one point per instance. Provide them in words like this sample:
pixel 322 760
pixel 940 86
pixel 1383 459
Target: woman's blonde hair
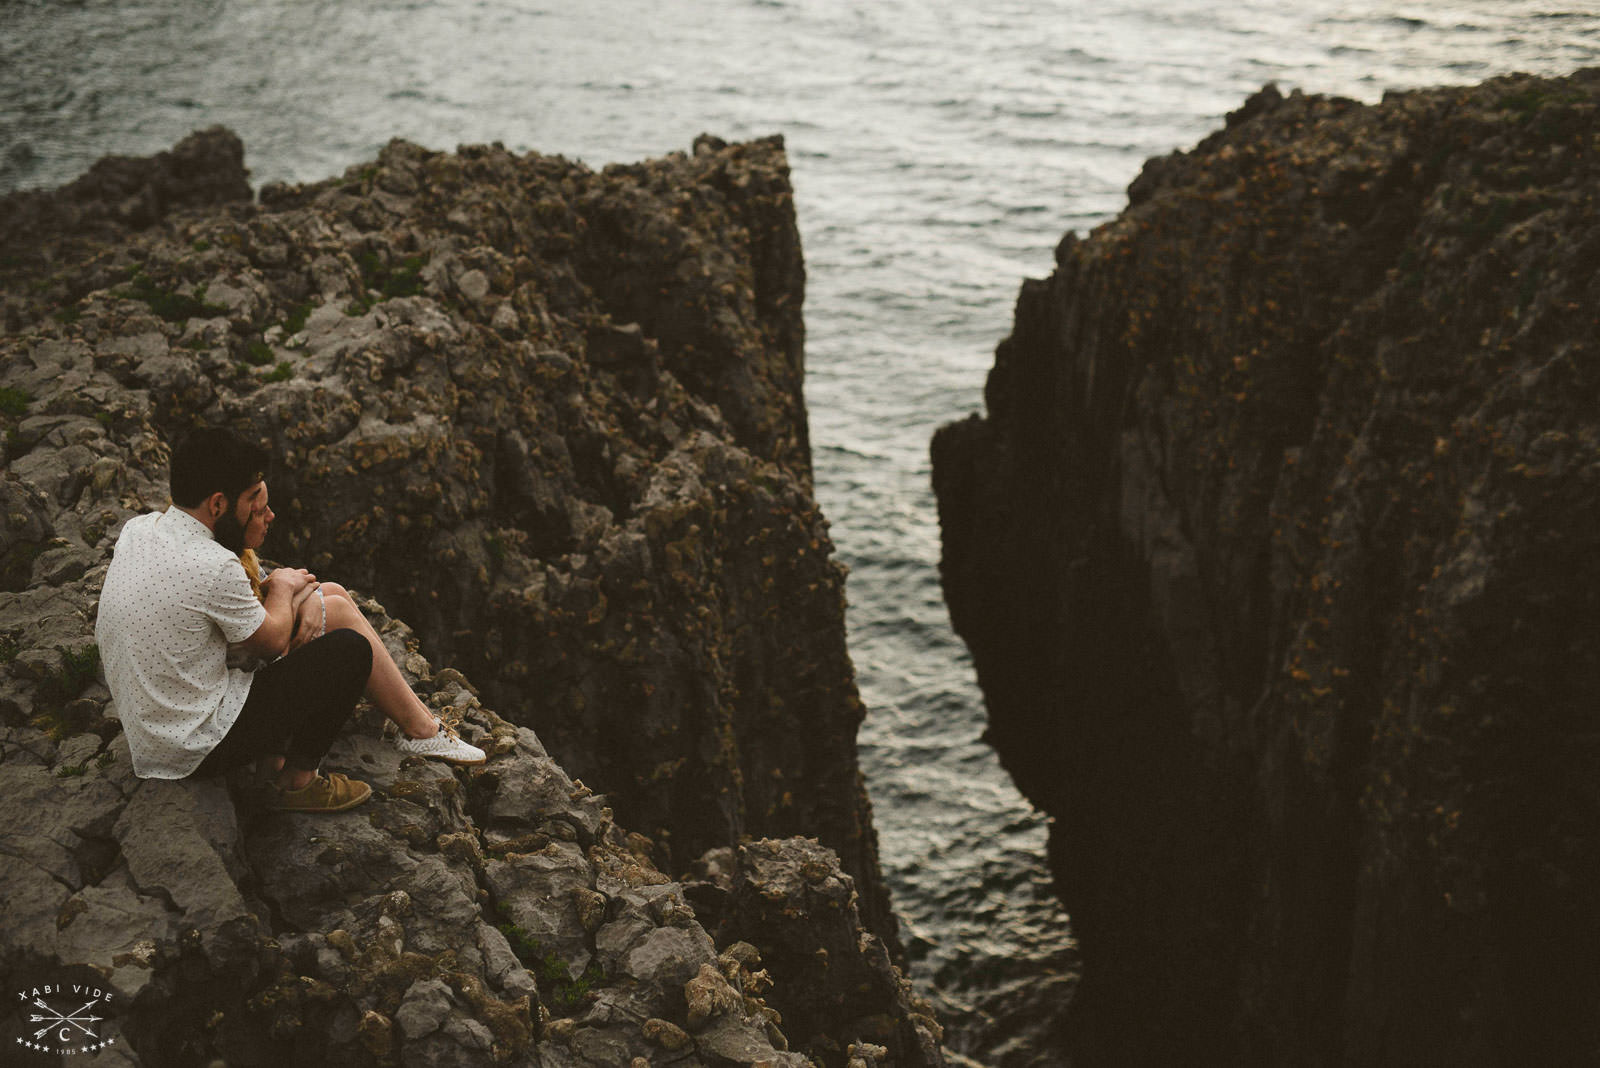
pixel 252 570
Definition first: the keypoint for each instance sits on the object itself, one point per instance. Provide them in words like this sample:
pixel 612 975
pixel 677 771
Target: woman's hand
pixel 310 616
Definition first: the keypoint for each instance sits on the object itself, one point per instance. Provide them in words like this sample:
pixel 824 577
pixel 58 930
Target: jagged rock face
pixel 1276 553
pixel 636 568
pixel 838 994
pixel 43 230
pixel 552 418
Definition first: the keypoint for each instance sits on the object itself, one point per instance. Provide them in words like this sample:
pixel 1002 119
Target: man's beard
pixel 229 532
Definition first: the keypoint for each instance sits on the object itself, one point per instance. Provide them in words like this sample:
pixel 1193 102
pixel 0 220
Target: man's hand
pixel 291 577
pixel 280 589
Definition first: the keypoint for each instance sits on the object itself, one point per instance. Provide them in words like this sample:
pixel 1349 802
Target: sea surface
pixel 940 149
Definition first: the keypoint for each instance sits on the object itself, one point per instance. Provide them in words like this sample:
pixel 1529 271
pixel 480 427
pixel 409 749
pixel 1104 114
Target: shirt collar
pixel 184 525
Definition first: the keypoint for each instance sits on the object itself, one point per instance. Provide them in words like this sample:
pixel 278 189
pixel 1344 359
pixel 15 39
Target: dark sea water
pixel 940 149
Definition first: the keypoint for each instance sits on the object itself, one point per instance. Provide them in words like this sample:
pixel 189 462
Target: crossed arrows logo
pixel 77 1018
pixel 64 1033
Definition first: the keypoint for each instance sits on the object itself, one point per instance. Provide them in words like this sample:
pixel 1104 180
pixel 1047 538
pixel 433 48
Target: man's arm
pixel 272 637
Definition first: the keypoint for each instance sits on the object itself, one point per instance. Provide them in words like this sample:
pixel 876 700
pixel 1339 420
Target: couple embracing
pixel 183 589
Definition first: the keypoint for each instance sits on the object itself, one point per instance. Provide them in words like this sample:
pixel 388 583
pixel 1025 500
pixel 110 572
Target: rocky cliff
pixel 551 417
pixel 1277 555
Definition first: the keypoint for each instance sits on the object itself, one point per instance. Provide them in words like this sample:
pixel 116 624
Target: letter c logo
pixel 65 1035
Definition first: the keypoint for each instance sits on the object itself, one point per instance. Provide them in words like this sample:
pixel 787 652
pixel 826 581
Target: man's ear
pixel 217 505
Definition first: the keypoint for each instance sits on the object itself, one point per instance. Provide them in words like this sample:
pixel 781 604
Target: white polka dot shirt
pixel 173 600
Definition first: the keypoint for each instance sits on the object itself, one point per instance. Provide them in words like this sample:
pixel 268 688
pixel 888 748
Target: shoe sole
pixel 319 811
pixel 448 760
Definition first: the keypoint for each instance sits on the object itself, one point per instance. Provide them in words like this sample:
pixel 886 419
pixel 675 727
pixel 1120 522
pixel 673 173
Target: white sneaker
pixel 446 745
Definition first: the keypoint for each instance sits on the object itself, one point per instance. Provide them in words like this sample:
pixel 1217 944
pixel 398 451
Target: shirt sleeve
pixel 233 605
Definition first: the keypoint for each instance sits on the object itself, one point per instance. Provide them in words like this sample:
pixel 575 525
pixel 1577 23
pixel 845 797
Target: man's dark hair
pixel 213 459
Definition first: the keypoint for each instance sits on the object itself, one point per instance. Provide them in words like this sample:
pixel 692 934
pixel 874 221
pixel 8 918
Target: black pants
pixel 297 705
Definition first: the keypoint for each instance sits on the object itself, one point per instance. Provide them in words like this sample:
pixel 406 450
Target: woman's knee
pixel 342 611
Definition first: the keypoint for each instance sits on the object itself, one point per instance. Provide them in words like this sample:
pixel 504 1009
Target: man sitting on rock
pixel 176 595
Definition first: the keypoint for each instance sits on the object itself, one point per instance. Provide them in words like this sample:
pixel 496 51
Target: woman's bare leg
pixel 386 687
